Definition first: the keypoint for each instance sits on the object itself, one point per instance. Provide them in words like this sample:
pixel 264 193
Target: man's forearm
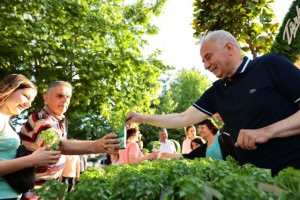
pixel 285 128
pixel 176 120
pixel 77 147
pixel 166 121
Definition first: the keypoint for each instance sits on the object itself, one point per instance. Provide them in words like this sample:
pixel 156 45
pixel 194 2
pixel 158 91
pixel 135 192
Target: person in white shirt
pixel 166 146
pixel 190 135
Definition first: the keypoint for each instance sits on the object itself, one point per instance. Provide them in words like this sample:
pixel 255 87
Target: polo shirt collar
pixel 58 118
pixel 241 69
pixel 244 66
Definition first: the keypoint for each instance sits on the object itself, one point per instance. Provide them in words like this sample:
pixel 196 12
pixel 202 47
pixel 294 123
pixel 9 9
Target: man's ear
pixel 229 48
pixel 45 97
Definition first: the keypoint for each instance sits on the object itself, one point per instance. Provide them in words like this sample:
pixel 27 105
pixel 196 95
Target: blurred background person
pixel 132 154
pixel 195 144
pixel 218 145
pixel 71 171
pixel 190 135
pixel 166 146
pixel 223 126
pixel 115 159
pixel 83 162
pixel 140 144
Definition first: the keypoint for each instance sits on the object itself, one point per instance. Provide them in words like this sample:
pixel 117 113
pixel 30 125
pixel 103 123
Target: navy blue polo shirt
pixel 261 92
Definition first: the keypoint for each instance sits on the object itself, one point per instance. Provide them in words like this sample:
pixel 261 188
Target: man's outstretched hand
pixel 108 144
pixel 133 117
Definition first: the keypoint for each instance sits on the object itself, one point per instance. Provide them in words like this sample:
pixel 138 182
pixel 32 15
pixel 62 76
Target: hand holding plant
pixel 51 138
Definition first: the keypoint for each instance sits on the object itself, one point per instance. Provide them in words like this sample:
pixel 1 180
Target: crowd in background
pixel 215 144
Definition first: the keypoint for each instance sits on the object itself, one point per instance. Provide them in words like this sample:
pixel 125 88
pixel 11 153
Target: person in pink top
pixel 190 135
pixel 132 154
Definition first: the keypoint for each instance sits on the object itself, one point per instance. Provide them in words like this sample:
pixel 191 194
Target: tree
pixel 249 21
pixel 287 41
pixel 180 92
pixel 95 45
pixel 187 87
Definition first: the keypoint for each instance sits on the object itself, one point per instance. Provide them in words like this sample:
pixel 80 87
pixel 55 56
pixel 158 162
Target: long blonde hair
pixel 13 82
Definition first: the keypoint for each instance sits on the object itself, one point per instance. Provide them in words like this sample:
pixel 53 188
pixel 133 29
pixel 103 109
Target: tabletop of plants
pixel 163 179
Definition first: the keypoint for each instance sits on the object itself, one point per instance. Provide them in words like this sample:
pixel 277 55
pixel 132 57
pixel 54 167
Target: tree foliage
pixel 180 92
pixel 287 41
pixel 250 21
pixel 187 87
pixel 95 45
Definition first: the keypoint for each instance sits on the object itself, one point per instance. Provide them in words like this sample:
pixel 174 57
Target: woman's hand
pixel 43 158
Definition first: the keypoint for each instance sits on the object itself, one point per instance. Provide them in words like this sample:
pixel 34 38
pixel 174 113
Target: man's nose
pixel 206 65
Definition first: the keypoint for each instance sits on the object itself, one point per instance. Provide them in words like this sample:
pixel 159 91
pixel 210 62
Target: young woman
pixel 132 154
pixel 190 135
pixel 197 142
pixel 16 95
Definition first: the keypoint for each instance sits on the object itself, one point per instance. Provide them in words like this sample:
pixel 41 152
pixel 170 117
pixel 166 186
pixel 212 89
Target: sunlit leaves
pixel 251 18
pixel 179 93
pixel 187 87
pixel 94 45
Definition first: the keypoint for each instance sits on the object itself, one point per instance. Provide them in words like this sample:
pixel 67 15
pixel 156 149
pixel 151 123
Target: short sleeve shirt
pixel 262 91
pixel 167 147
pixel 30 136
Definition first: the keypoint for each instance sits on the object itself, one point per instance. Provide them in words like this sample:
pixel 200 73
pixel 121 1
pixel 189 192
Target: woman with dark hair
pixel 16 95
pixel 197 142
pixel 132 154
pixel 217 146
pixel 208 130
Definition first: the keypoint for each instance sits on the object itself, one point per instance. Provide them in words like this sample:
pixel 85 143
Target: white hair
pixel 219 38
pixel 56 83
